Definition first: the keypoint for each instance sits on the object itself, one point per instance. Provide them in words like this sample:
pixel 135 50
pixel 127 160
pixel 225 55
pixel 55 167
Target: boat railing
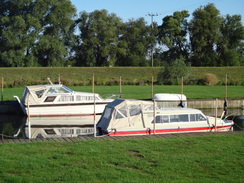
pixel 114 96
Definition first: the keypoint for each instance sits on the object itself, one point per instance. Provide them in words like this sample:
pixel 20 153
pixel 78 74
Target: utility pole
pixel 152 15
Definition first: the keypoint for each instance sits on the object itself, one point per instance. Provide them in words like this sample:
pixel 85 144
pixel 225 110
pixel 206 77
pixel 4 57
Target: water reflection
pixel 230 112
pixel 61 127
pixel 16 126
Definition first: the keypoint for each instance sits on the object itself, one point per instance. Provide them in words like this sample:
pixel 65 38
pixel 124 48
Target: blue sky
pixel 128 9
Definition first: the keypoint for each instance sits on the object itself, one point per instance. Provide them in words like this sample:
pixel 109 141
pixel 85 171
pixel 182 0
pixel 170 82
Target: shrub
pixel 210 79
pixel 173 72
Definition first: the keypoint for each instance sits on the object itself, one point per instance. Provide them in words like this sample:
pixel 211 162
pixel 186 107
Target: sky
pixel 134 9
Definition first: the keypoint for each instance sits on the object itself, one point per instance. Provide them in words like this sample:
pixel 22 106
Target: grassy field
pixel 81 76
pixel 145 92
pixel 209 159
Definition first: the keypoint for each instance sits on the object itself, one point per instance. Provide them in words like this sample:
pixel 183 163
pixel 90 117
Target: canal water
pixel 17 126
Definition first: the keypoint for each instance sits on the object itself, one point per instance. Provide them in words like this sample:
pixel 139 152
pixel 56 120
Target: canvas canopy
pixel 123 113
pixel 36 94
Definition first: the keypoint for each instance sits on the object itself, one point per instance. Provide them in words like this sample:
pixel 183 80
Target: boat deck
pixel 85 138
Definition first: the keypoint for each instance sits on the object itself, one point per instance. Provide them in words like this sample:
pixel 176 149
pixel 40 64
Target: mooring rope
pixel 239 127
pixel 8 136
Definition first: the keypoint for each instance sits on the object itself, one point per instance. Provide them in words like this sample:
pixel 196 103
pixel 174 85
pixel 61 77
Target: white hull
pixel 65 110
pixel 175 129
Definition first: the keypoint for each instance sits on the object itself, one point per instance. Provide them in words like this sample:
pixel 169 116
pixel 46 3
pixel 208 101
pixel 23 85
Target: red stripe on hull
pixel 176 130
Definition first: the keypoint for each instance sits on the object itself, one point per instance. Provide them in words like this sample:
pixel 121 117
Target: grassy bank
pixel 188 159
pixel 81 76
pixel 145 92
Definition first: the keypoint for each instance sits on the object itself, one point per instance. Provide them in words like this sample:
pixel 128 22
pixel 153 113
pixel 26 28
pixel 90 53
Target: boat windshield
pixel 68 89
pixel 59 89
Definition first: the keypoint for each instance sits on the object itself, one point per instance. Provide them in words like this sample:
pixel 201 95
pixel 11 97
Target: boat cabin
pixel 55 93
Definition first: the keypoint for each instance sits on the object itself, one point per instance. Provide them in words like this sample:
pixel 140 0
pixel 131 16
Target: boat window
pixel 121 113
pixel 67 89
pixel 179 118
pixel 183 118
pixel 134 110
pixel 192 117
pixel 200 117
pixel 81 98
pixel 58 90
pixel 50 99
pixel 174 118
pixel 107 112
pixel 162 119
pixel 197 117
pixel 66 99
pixel 39 93
pixel 118 115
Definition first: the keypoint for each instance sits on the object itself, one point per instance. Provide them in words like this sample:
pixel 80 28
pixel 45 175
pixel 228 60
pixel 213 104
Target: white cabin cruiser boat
pixel 134 117
pixel 57 100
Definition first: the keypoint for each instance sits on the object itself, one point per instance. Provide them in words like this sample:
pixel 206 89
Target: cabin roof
pixel 169 97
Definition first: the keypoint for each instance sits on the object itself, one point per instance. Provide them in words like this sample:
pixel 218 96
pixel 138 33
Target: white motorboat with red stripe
pixel 135 117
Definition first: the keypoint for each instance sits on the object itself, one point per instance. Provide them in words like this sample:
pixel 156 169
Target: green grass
pixel 187 159
pixel 145 92
pixel 82 76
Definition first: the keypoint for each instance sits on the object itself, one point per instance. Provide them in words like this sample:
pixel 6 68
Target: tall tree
pixel 98 39
pixel 56 19
pixel 135 43
pixel 18 29
pixel 204 35
pixel 34 32
pixel 230 47
pixel 173 36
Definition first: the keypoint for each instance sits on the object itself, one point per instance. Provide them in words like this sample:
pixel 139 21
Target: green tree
pixel 54 39
pixel 174 71
pixel 230 47
pixel 98 39
pixel 17 33
pixel 34 32
pixel 135 43
pixel 173 36
pixel 204 35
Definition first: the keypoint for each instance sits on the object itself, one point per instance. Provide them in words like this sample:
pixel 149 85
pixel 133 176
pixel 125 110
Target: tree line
pixel 52 34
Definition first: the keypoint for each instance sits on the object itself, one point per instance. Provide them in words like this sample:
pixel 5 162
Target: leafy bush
pixel 210 79
pixel 173 72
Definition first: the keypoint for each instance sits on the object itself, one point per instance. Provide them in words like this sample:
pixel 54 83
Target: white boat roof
pixel 169 97
pixel 33 87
